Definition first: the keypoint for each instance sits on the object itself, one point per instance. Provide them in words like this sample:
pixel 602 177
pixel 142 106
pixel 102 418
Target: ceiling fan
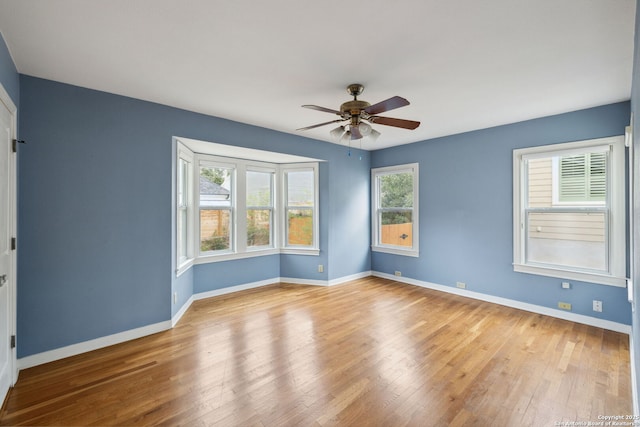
pixel 358 112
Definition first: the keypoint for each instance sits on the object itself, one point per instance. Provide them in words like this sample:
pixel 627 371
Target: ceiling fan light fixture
pixel 356 111
pixel 364 128
pixel 346 137
pixel 337 133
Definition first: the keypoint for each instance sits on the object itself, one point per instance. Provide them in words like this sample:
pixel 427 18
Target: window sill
pixel 300 251
pixel 601 279
pixel 394 251
pixel 184 267
pixel 229 256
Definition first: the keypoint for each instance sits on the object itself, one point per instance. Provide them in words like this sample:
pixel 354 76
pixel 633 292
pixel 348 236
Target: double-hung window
pixel 569 212
pixel 184 208
pixel 300 207
pixel 395 209
pixel 260 207
pixel 217 202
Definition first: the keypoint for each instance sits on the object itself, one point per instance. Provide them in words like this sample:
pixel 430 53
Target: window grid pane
pixel 259 189
pixel 300 227
pixel 396 228
pixel 259 226
pixel 215 227
pixel 300 188
pixel 570 238
pixel 396 190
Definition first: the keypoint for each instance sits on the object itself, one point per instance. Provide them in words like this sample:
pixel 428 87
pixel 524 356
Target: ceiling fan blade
pixel 321 124
pixel 399 123
pixel 386 105
pixel 326 110
pixel 355 133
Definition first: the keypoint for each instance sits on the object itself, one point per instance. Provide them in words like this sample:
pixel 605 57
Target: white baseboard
pixel 176 317
pixel 578 318
pixel 95 344
pixel 349 278
pixel 238 288
pixel 310 282
pixel 332 282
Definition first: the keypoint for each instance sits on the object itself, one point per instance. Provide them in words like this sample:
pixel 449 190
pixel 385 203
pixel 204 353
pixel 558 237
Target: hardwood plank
pixel 369 352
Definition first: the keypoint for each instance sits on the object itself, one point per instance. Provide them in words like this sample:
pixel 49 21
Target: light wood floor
pixel 370 352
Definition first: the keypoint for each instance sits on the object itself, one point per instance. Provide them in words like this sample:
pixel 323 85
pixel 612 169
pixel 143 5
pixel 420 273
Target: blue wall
pixel 466 211
pixel 95 203
pixel 8 73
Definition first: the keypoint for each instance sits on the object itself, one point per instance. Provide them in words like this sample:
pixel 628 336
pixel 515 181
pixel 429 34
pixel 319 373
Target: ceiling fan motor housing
pixel 353 109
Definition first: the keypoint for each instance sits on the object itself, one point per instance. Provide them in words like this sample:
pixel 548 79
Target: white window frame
pixel 313 249
pixel 376 245
pixel 236 176
pixel 616 275
pixel 240 248
pixel 250 167
pixel 184 261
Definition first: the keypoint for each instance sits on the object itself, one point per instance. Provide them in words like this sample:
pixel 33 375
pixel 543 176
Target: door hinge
pixel 13 341
pixel 14 146
pixel 13 243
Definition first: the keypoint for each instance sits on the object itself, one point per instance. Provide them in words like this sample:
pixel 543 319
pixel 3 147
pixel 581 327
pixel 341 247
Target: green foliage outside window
pixel 396 191
pixel 215 242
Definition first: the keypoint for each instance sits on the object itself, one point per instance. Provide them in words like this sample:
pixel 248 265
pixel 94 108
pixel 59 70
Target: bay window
pixel 229 208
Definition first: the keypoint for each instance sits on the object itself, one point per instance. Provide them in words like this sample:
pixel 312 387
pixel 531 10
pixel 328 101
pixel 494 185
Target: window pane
pixel 396 228
pixel 540 180
pixel 583 178
pixel 182 233
pixel 259 188
pixel 183 178
pixel 598 176
pixel 396 190
pixel 570 239
pixel 259 227
pixel 300 227
pixel 300 188
pixel 215 187
pixel 214 230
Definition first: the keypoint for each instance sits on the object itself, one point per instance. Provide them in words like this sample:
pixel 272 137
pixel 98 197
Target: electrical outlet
pixel 398 273
pixel 564 305
pixel 566 285
pixel 597 306
pixel 320 268
pixel 461 285
pixel 175 297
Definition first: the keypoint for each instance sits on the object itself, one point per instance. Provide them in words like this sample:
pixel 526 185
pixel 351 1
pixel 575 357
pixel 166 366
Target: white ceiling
pixel 463 64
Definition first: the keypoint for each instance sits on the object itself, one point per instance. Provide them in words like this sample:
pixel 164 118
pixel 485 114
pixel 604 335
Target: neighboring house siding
pixel 584 227
pixel 540 183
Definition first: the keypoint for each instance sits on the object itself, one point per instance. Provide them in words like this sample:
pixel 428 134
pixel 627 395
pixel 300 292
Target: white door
pixel 7 274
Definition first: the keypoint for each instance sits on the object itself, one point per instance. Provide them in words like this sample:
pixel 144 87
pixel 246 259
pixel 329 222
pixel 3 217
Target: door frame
pixel 13 221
